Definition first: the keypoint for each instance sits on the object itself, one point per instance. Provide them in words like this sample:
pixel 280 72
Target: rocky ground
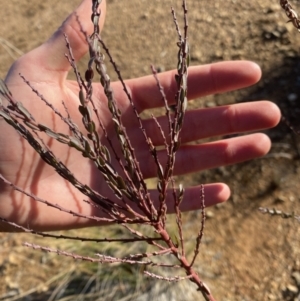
pixel 246 255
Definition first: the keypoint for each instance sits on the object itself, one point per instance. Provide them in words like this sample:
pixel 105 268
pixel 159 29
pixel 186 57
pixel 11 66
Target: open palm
pixel 46 68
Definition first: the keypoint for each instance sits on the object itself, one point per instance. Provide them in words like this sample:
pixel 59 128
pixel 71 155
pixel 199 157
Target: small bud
pixel 89 74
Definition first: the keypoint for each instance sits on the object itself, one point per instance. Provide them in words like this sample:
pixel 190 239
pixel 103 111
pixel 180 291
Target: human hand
pixel 46 68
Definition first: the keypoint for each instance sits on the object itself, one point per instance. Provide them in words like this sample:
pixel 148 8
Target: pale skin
pixel 47 68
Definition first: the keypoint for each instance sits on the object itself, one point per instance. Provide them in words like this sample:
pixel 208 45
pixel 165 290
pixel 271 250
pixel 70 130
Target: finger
pixel 193 158
pixel 213 194
pixel 51 56
pixel 202 80
pixel 199 124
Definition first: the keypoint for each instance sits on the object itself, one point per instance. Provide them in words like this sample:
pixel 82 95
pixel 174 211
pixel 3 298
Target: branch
pixel 291 14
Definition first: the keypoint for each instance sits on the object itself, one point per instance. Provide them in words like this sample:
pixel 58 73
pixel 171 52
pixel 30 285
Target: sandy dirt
pixel 245 255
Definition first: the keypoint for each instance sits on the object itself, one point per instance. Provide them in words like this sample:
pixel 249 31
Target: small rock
pixel 12 259
pixel 271 9
pixel 292 289
pixel 292 97
pixel 145 16
pixel 280 199
pixel 271 296
pixel 209 214
pixel 219 54
pixel 296 277
pixel 196 56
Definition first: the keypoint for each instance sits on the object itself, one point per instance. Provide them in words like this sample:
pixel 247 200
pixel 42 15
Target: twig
pixel 97 240
pixel 276 212
pixel 291 14
pixel 201 231
pixel 169 279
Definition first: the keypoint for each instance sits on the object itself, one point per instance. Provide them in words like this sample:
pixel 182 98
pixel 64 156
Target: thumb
pixel 50 55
